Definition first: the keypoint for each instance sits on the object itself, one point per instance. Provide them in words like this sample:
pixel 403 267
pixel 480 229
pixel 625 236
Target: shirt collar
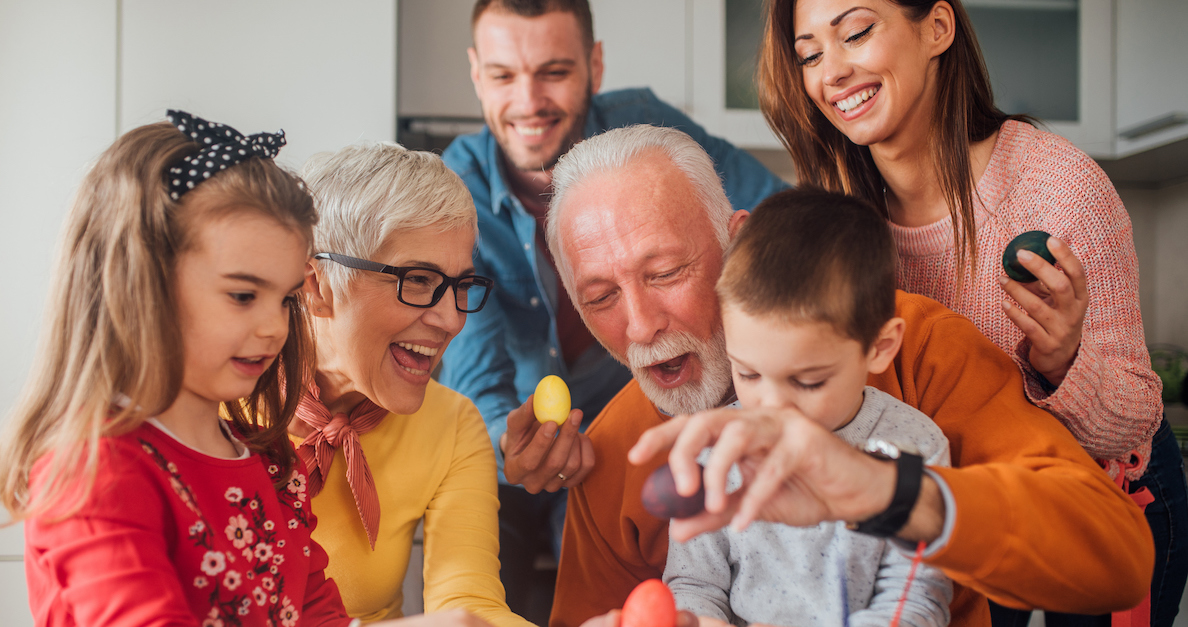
pixel 500 192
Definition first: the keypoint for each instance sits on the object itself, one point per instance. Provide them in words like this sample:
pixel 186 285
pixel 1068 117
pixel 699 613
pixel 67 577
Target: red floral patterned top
pixel 170 536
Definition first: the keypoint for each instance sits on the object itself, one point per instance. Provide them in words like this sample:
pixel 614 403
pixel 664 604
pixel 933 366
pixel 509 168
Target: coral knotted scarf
pixel 334 431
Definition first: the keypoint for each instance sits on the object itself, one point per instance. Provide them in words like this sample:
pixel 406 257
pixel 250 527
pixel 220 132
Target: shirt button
pixel 552 352
pixel 527 246
pixel 534 301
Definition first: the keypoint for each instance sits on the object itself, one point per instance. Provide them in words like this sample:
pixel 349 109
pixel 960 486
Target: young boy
pixel 808 299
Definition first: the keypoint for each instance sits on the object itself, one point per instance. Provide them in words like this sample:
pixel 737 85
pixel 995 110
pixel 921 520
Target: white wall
pixel 325 72
pixel 74 73
pixel 57 111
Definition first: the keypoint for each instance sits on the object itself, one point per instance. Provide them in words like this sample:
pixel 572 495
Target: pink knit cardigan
pixel 1110 399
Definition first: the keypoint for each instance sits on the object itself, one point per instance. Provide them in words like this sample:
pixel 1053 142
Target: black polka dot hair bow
pixel 222 147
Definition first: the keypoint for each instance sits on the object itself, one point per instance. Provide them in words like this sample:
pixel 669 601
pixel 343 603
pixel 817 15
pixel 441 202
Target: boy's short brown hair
pixel 534 8
pixel 815 256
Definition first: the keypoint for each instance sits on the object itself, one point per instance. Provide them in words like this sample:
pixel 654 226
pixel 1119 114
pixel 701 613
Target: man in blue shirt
pixel 536 69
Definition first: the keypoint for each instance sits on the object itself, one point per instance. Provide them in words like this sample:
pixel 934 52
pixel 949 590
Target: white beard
pixel 696 395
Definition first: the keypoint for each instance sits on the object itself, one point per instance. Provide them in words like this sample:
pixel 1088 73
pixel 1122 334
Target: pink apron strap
pixel 1140 615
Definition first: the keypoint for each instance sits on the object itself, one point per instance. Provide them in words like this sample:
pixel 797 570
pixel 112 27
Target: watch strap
pixel 908 478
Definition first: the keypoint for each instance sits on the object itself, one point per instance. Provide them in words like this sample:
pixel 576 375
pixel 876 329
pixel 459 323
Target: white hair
pixel 617 149
pixel 367 191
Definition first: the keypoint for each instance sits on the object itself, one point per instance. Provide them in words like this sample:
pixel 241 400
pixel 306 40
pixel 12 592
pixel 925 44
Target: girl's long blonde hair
pixel 111 351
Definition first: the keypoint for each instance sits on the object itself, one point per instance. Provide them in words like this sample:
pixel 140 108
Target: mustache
pixel 664 348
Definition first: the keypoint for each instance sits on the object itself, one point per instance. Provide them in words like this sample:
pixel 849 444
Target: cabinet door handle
pixel 1153 126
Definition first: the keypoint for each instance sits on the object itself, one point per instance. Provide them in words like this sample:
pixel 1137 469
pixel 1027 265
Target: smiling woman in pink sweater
pixel 889 100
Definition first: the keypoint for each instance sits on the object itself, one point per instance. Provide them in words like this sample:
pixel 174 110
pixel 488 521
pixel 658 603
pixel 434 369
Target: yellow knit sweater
pixel 438 464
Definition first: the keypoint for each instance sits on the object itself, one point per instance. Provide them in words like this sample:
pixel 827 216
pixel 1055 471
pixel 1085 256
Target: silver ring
pixel 562 477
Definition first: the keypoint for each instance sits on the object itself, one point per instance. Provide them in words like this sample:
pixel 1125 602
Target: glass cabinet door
pixel 724 39
pixel 1052 59
pixel 1032 50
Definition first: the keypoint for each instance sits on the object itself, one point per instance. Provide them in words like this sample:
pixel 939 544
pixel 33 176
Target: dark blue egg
pixel 1034 241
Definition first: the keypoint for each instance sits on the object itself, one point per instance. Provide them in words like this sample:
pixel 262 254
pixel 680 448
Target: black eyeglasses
pixel 424 287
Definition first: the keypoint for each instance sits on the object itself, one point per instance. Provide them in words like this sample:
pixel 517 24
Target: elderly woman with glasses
pixel 389 286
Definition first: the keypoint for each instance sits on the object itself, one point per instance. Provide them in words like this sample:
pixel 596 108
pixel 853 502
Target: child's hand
pixel 609 619
pixel 703 621
pixel 683 619
pixel 1053 309
pixel 448 618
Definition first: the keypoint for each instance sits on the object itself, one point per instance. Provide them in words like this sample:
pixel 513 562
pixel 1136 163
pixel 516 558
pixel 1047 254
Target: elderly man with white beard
pixel 638 225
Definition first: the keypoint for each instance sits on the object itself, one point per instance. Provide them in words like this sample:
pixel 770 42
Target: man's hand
pixel 538 457
pixel 794 472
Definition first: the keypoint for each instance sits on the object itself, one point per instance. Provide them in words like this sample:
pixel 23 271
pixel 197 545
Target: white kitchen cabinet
pixel 1152 74
pixel 1053 59
pixel 742 125
pixel 1132 91
pixel 1133 82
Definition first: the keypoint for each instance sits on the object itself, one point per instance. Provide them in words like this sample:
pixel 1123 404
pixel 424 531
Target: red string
pixel 911 576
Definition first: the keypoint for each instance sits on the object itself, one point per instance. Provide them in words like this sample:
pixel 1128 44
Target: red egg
pixel 661 499
pixel 650 604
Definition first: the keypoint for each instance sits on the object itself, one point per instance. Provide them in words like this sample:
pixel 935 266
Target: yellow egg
pixel 551 401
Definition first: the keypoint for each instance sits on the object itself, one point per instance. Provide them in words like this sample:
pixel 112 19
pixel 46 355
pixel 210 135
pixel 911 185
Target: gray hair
pixel 367 191
pixel 617 149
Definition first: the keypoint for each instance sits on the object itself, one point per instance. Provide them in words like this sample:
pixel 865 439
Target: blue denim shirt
pixel 505 349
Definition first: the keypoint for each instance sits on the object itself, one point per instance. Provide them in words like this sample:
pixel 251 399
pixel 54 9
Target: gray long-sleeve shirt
pixel 781 575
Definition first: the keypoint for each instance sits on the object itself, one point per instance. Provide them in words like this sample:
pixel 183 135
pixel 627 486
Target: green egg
pixel 1034 241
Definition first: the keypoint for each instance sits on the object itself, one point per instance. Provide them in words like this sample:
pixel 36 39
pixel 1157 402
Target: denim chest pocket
pixel 526 315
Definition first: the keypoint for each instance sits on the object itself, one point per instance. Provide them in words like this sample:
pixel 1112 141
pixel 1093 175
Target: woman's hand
pixel 534 458
pixel 447 618
pixel 1053 309
pixel 794 471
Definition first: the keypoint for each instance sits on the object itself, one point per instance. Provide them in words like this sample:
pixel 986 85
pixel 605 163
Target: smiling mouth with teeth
pixel 417 348
pixel 415 359
pixel 848 104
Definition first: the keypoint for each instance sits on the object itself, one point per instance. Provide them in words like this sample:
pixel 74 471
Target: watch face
pixel 882 448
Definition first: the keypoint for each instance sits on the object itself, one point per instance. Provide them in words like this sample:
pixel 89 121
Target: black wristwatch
pixel 909 475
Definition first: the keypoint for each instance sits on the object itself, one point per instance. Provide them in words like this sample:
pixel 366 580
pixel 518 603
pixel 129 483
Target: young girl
pixel 175 298
pixel 889 100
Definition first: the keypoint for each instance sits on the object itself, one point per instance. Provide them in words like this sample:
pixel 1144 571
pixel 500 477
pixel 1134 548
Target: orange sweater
pixel 1038 523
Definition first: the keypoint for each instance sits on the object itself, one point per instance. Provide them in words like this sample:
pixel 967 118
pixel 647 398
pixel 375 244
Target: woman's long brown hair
pixel 825 158
pixel 111 349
